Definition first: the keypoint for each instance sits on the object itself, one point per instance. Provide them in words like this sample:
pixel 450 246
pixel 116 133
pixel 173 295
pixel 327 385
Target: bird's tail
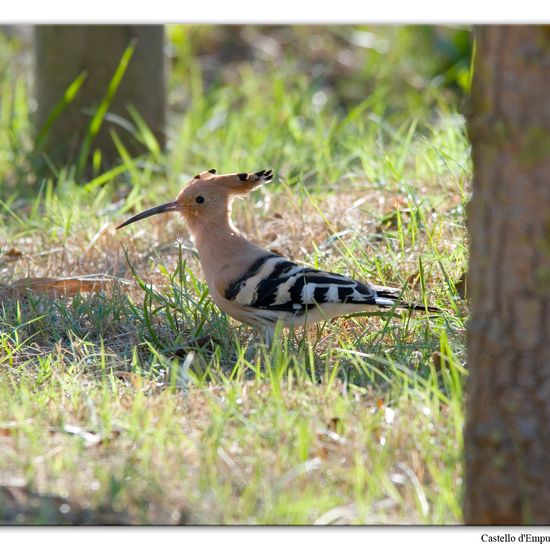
pixel 389 297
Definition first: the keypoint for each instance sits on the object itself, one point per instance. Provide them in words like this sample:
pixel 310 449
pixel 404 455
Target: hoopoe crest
pixel 254 285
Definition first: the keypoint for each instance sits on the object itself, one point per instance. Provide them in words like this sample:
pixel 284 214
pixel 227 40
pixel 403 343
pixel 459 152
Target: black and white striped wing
pixel 276 284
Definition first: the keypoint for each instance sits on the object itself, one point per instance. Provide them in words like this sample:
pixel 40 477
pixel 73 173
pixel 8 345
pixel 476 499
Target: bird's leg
pixel 250 353
pixel 268 334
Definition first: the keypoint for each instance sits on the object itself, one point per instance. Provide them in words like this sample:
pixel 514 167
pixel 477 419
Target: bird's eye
pixel 199 199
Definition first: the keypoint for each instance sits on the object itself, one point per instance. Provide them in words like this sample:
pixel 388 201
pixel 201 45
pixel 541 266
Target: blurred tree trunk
pixel 63 52
pixel 507 436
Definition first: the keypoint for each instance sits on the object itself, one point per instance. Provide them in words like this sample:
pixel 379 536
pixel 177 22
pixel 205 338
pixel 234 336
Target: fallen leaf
pixel 67 286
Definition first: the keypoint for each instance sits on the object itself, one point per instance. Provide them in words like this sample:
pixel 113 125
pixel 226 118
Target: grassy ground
pixel 109 415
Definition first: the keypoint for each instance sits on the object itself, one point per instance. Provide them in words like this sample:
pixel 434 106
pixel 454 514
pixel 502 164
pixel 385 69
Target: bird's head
pixel 207 195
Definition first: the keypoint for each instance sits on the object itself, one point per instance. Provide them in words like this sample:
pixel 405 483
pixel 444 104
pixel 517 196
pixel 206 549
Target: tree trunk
pixel 63 52
pixel 507 436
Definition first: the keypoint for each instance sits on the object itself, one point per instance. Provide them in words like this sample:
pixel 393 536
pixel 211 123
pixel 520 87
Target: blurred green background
pixel 387 73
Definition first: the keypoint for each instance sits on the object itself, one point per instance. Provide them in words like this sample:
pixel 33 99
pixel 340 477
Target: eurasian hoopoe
pixel 252 284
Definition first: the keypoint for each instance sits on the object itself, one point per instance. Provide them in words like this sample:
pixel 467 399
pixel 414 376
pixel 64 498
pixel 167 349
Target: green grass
pixel 108 410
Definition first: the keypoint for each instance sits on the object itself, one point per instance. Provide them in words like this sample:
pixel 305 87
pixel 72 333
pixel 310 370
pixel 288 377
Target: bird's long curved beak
pixel 168 207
